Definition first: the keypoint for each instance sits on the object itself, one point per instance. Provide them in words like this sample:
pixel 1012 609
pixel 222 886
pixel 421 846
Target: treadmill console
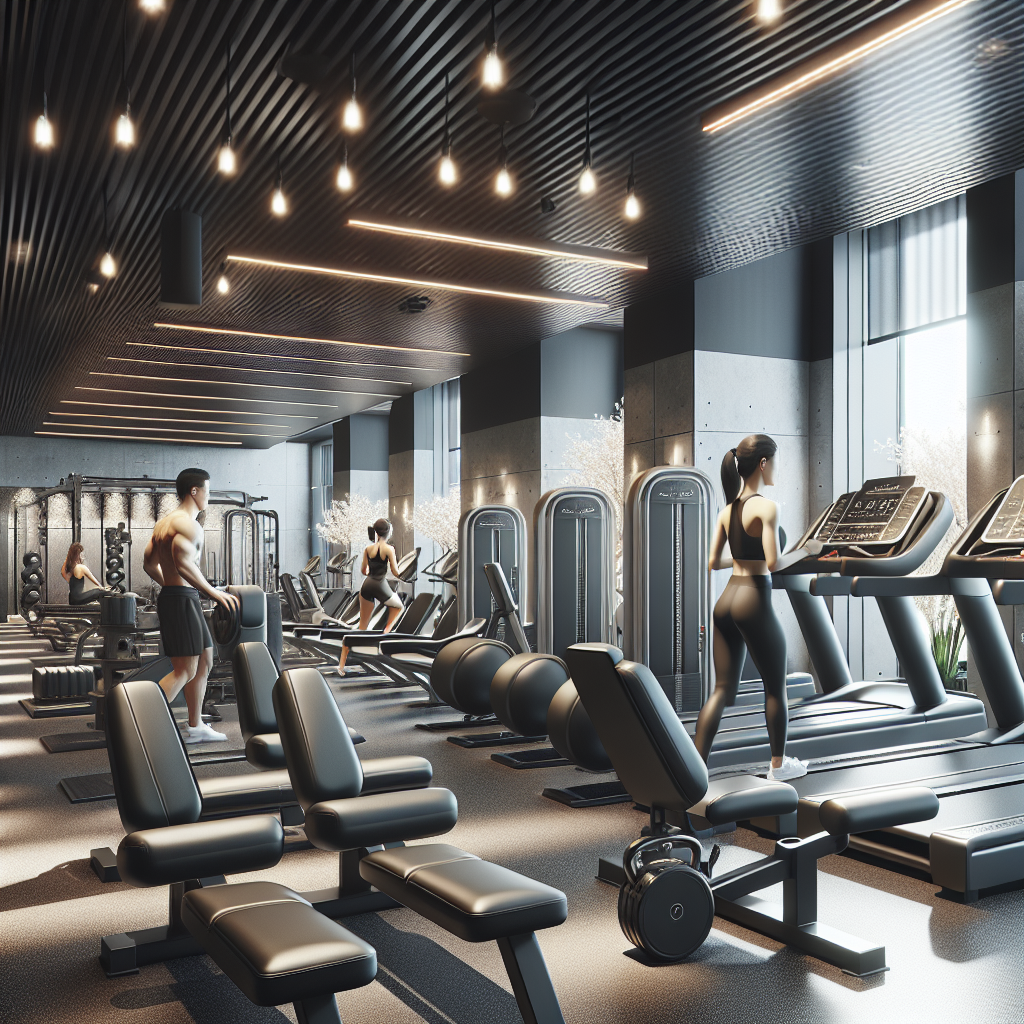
pixel 880 513
pixel 1006 527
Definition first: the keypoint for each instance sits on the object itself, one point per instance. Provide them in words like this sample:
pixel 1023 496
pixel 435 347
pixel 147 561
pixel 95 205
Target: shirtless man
pixel 172 559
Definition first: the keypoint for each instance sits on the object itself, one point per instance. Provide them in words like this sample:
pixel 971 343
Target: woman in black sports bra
pixel 744 618
pixel 377 557
pixel 76 572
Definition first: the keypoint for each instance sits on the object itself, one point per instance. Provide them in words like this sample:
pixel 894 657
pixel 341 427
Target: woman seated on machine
pixel 378 556
pixel 76 572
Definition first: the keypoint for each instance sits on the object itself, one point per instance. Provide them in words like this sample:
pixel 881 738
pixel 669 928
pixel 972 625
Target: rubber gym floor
pixel 948 962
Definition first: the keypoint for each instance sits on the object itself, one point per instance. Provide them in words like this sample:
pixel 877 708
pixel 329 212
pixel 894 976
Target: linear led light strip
pixel 166 419
pixel 909 19
pixel 551 298
pixel 582 253
pixel 166 430
pixel 213 398
pixel 171 408
pixel 235 333
pixel 271 355
pixel 133 437
pixel 253 369
pixel 242 384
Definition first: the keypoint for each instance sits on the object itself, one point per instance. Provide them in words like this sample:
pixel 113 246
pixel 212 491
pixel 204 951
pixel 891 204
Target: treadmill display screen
pixel 1007 525
pixel 879 513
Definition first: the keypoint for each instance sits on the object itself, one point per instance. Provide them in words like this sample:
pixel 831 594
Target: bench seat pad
pixel 472 898
pixel 273 945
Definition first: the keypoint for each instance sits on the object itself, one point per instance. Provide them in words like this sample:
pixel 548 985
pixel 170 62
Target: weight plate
pixel 668 912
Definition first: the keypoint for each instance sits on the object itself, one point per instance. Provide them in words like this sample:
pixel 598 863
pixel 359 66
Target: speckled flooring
pixel 948 962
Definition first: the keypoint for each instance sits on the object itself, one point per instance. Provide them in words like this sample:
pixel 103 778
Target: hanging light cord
pixel 586 147
pixel 353 73
pixel 227 89
pixel 124 57
pixel 106 231
pixel 447 139
pixel 629 180
pixel 494 27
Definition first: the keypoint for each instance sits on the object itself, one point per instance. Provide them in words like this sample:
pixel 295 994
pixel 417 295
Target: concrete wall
pixel 281 473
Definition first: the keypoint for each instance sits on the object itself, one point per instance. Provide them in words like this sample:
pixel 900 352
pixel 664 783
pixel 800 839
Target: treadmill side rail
pixel 978 856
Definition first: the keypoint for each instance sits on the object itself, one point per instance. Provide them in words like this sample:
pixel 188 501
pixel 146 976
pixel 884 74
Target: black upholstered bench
pixel 480 902
pixel 277 949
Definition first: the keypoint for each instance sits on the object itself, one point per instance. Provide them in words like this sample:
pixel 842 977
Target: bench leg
pixel 318 1010
pixel 531 982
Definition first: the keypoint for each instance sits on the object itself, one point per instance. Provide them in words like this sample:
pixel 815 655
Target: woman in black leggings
pixel 377 557
pixel 744 618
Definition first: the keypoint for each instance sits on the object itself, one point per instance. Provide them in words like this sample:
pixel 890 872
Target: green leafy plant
pixel 947 639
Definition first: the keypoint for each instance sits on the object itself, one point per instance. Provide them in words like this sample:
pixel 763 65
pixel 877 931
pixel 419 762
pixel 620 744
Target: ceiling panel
pixel 911 125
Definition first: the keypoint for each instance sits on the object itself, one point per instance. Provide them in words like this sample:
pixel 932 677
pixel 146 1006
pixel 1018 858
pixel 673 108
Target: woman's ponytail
pixel 371 534
pixel 741 461
pixel 730 476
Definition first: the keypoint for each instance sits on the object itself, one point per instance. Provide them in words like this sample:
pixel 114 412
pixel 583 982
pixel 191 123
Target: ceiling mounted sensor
pixel 307 68
pixel 547 204
pixel 414 304
pixel 509 106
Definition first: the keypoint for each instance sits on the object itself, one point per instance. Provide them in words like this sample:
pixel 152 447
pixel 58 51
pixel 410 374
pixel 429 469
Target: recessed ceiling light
pixel 235 333
pixel 211 412
pixel 198 398
pixel 552 298
pixel 274 355
pixel 240 384
pixel 253 369
pixel 166 430
pixel 878 35
pixel 581 253
pixel 131 437
pixel 166 419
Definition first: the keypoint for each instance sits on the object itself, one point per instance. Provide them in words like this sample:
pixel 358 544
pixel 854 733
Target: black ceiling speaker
pixel 414 304
pixel 547 204
pixel 181 260
pixel 509 106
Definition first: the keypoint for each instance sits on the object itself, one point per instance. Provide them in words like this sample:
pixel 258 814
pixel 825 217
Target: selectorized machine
pixel 490 534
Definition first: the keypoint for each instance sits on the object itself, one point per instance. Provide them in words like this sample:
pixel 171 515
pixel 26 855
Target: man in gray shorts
pixel 172 560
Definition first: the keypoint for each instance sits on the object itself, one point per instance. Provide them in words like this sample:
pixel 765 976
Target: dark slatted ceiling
pixel 934 114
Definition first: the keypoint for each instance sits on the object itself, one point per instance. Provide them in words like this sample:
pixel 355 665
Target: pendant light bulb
pixel 227 163
pixel 446 170
pixel 351 115
pixel 44 129
pixel 769 11
pixel 632 208
pixel 494 73
pixel 503 182
pixel 588 182
pixel 344 180
pixel 108 268
pixel 223 285
pixel 278 203
pixel 124 131
pixel 153 6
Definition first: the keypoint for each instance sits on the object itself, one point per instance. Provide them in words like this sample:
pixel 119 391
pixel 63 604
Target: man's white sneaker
pixel 790 768
pixel 202 733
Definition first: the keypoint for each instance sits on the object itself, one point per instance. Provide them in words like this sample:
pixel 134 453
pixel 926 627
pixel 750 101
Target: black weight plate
pixel 29 597
pixel 31 558
pixel 668 912
pixel 225 626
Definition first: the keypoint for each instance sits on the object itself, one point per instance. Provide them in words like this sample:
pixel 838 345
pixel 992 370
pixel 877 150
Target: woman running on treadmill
pixel 76 572
pixel 377 558
pixel 744 619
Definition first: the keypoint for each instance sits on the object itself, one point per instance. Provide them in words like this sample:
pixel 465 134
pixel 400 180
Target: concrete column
pixel 520 415
pixel 410 467
pixel 361 456
pixel 995 352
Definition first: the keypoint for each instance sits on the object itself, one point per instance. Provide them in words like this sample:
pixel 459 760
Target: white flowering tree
pixel 438 519
pixel 597 461
pixel 345 522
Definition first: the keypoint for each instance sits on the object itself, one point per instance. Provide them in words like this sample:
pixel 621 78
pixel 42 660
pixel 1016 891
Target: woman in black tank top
pixel 744 620
pixel 76 572
pixel 377 557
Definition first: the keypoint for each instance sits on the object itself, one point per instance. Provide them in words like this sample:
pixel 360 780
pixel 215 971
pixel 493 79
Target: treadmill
pixel 976 842
pixel 886 529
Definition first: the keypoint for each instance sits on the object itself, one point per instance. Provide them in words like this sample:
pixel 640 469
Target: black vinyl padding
pixel 652 753
pixel 868 812
pixel 572 733
pixel 257 791
pixel 461 673
pixel 160 856
pixel 255 674
pixel 474 899
pixel 522 690
pixel 349 824
pixel 745 797
pixel 273 945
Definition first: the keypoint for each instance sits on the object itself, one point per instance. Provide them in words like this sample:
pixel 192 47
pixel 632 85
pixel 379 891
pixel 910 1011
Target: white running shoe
pixel 791 768
pixel 202 733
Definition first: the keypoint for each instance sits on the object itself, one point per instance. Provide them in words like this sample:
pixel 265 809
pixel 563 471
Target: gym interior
pixel 513 281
